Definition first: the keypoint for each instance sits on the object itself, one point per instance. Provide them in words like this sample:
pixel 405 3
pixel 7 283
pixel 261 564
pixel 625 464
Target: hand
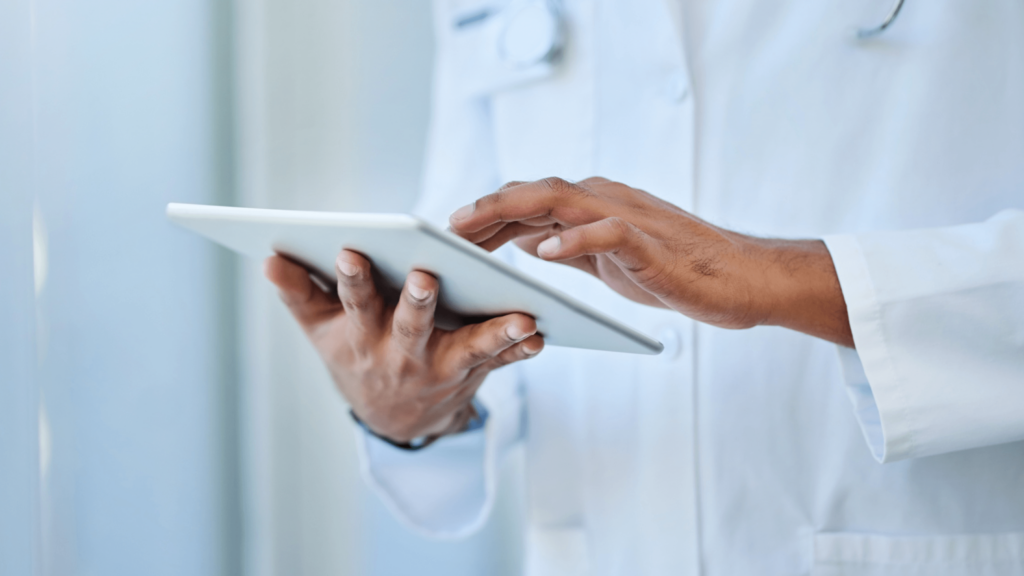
pixel 658 254
pixel 403 377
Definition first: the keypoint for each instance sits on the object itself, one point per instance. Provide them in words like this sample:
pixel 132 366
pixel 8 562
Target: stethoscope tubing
pixel 875 31
pixel 862 33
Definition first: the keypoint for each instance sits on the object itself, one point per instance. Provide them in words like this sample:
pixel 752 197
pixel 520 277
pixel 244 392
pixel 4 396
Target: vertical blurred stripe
pixel 119 108
pixel 19 445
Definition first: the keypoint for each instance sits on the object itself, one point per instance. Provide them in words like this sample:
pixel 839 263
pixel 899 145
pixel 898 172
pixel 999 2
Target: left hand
pixel 655 253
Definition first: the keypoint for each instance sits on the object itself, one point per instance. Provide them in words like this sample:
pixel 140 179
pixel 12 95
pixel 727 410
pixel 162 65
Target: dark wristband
pixel 475 423
pixel 412 445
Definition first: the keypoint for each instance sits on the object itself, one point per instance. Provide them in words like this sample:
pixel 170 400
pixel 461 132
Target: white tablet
pixel 474 284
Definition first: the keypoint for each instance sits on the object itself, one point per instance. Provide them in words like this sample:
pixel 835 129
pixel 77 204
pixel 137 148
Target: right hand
pixel 403 377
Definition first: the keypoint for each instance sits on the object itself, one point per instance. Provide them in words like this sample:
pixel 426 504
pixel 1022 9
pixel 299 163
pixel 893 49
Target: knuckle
pixel 495 198
pixel 475 356
pixel 626 234
pixel 411 331
pixel 355 304
pixel 508 185
pixel 498 362
pixel 510 356
pixel 495 202
pixel 562 188
pixel 620 227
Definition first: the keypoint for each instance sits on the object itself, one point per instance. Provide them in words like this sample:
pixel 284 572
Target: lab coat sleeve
pixel 447 490
pixel 938 321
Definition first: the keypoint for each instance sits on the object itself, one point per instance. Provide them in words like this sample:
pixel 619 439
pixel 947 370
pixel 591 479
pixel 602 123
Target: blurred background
pixel 160 413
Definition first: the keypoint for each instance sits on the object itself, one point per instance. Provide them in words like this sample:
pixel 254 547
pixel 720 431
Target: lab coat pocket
pixel 849 554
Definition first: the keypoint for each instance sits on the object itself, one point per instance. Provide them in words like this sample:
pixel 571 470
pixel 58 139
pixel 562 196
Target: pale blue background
pixel 121 398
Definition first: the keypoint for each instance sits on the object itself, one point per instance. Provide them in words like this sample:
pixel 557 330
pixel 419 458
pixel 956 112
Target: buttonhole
pixel 473 18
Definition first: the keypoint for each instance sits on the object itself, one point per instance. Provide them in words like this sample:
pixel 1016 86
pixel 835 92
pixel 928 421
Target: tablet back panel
pixel 474 284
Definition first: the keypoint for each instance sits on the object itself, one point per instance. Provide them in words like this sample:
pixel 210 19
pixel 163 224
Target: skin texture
pixel 403 377
pixel 657 254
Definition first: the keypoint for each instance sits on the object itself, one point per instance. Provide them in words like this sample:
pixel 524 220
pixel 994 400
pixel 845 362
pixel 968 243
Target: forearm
pixel 803 289
pixel 657 254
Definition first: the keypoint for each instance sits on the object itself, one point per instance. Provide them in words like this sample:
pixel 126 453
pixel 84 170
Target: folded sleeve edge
pixel 883 397
pixel 489 463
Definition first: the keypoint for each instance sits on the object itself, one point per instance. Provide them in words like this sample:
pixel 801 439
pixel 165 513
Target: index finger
pixel 308 303
pixel 552 198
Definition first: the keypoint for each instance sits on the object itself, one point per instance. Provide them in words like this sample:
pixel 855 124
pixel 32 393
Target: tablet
pixel 474 284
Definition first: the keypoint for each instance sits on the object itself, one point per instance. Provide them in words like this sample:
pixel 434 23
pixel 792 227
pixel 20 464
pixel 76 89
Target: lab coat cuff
pixel 879 397
pixel 448 489
pixel 437 491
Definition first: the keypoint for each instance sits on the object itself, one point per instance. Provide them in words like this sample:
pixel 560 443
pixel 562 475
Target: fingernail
pixel 418 293
pixel 464 212
pixel 550 246
pixel 515 334
pixel 531 351
pixel 347 269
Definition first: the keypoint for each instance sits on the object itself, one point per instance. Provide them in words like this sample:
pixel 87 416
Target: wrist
pixel 471 417
pixel 789 279
pixel 762 292
pixel 802 290
pixel 414 443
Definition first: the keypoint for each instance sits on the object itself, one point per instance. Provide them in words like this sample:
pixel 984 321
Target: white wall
pixel 333 98
pixel 19 525
pixel 129 381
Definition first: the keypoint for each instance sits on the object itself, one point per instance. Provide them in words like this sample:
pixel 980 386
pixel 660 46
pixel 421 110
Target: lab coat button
pixel 532 35
pixel 672 341
pixel 678 87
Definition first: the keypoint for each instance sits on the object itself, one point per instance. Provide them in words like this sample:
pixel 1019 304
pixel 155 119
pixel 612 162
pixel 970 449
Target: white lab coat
pixel 740 452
